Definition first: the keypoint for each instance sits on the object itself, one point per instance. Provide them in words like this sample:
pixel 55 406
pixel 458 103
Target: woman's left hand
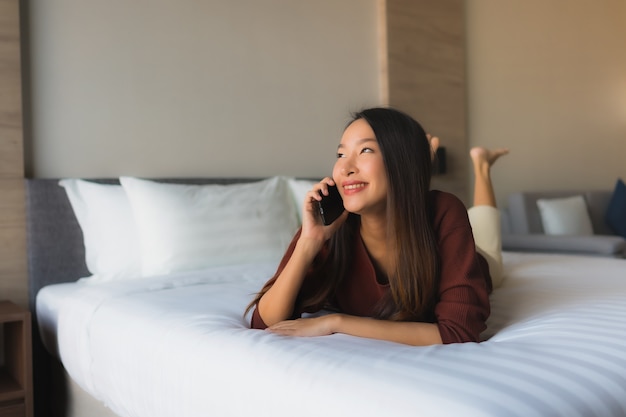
pixel 316 326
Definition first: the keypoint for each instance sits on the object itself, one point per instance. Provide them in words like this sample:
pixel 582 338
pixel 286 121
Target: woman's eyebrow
pixel 359 142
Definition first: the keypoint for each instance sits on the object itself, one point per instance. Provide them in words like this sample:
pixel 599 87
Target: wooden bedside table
pixel 16 380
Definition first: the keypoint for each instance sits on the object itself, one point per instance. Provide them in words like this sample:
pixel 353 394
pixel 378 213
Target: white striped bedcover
pixel 178 346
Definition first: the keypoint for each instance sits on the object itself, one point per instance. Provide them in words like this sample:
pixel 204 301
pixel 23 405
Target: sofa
pixel 525 219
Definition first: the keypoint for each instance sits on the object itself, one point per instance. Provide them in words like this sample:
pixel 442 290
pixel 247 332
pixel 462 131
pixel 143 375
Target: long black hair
pixel 407 157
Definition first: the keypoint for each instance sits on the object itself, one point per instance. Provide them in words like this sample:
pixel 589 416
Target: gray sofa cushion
pixel 597 204
pixel 599 245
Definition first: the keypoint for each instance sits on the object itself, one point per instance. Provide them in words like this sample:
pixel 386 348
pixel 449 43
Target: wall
pixel 245 89
pixel 196 88
pixel 547 79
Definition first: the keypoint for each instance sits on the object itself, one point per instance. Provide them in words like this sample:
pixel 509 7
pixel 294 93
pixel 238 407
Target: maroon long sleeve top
pixel 463 297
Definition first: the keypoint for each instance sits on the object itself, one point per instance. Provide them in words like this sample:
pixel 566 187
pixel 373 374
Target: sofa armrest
pixel 599 245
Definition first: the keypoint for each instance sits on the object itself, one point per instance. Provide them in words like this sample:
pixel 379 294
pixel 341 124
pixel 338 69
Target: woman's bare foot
pixel 482 156
pixel 434 144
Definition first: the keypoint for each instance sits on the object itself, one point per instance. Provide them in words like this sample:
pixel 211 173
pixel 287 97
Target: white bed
pixel 177 345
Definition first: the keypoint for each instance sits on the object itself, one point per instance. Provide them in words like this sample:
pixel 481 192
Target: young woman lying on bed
pixel 401 263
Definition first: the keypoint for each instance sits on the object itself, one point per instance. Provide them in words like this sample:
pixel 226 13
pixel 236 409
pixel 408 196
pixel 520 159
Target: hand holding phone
pixel 331 206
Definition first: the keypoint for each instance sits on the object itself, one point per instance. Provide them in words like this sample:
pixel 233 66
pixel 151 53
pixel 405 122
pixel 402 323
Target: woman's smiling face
pixel 360 171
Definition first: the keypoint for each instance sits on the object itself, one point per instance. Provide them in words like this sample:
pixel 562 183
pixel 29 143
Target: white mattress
pixel 178 345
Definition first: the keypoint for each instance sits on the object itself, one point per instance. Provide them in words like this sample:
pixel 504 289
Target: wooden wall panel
pixel 13 275
pixel 425 76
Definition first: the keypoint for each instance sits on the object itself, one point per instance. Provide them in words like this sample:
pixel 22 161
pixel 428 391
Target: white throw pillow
pixel 299 188
pixel 109 233
pixel 188 227
pixel 565 216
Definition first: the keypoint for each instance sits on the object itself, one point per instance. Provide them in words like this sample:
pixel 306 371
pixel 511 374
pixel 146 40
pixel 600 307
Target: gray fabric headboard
pixel 56 252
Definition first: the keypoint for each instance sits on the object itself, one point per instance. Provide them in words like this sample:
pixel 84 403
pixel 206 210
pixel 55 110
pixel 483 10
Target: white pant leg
pixel 485 222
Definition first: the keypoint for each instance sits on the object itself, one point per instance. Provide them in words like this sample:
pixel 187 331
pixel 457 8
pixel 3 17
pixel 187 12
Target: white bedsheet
pixel 179 346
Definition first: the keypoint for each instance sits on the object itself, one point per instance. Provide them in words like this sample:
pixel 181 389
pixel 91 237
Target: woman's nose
pixel 347 167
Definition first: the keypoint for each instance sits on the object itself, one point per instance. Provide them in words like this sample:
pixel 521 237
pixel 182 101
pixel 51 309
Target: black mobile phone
pixel 331 205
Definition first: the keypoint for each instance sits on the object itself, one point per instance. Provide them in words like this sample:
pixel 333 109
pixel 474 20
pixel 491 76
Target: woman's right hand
pixel 312 225
pixel 277 303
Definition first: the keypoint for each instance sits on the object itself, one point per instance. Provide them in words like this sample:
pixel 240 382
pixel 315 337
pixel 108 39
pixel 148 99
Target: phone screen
pixel 331 205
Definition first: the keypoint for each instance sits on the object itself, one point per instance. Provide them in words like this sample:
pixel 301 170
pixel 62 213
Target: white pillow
pixel 565 216
pixel 187 227
pixel 299 188
pixel 109 233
